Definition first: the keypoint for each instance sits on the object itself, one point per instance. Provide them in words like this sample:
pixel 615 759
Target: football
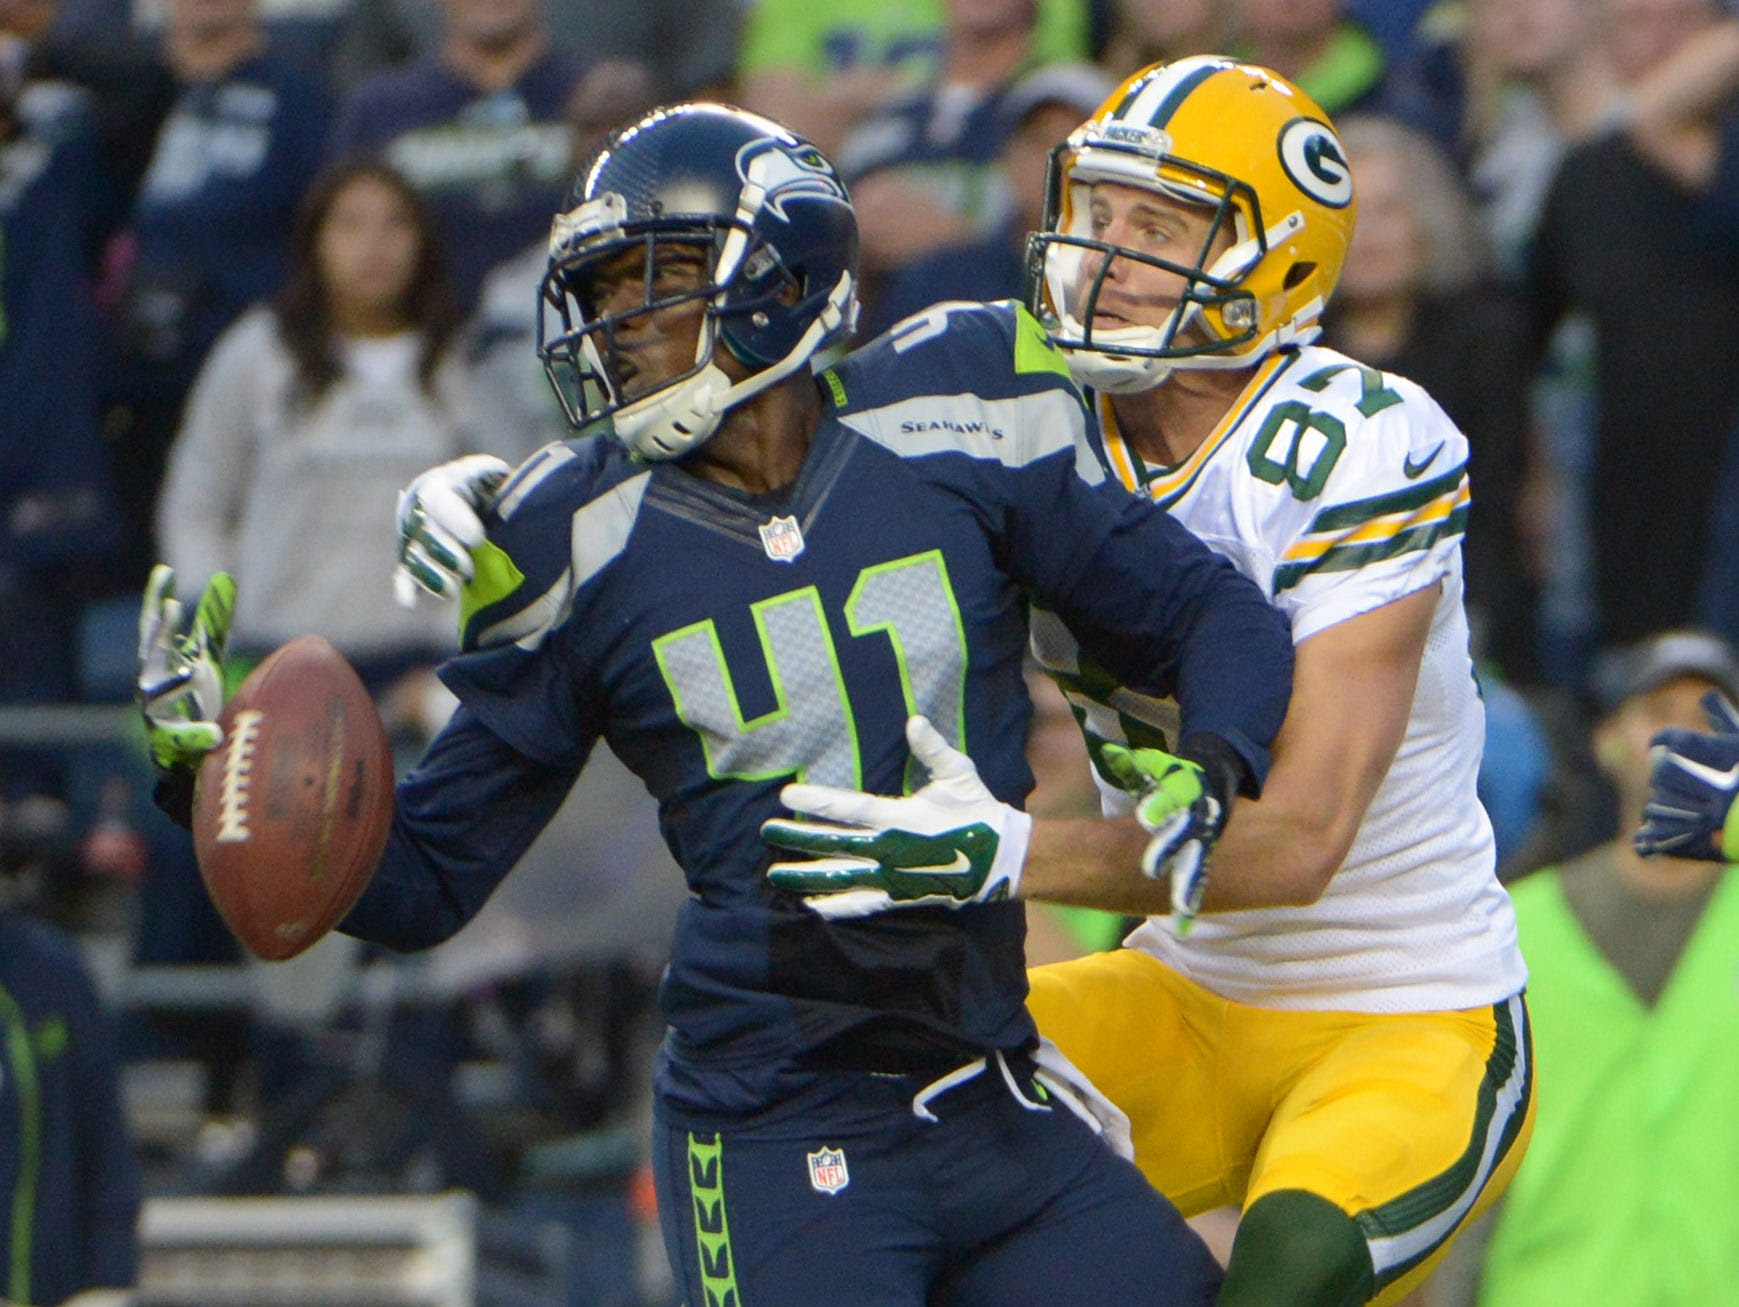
pixel 291 811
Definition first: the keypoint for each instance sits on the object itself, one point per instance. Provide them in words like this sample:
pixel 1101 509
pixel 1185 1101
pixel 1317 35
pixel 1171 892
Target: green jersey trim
pixel 1350 557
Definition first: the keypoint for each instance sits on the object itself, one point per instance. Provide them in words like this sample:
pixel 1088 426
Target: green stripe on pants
pixel 712 1231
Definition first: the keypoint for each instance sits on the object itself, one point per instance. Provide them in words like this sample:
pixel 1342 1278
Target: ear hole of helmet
pixel 1297 273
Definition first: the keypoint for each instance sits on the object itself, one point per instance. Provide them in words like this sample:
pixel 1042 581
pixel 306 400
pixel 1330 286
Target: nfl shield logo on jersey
pixel 827 1173
pixel 782 538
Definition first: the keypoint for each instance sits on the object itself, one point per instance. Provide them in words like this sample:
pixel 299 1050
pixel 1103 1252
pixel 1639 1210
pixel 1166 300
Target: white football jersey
pixel 1339 488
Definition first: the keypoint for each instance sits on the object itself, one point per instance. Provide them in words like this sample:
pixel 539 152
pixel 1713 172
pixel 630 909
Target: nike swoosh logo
pixel 1412 471
pixel 961 863
pixel 1718 780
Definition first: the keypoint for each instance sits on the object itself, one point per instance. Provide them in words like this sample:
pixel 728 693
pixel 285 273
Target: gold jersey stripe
pixel 1382 528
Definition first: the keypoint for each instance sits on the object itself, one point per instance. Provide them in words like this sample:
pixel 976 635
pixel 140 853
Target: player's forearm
pixel 1091 862
pixel 1329 761
pixel 1267 857
pixel 1276 854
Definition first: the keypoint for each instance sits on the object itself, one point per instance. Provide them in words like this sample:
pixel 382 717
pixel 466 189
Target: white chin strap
pixel 1111 373
pixel 669 423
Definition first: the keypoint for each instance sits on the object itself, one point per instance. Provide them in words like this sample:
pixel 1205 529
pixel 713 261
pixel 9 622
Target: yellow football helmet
pixel 1237 140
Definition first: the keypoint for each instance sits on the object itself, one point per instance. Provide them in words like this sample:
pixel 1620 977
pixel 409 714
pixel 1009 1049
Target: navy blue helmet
pixel 779 236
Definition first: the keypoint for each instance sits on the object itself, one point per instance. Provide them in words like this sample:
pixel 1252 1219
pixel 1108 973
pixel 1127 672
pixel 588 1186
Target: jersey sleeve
pixel 1166 615
pixel 1391 510
pixel 462 820
pixel 522 668
pixel 1143 597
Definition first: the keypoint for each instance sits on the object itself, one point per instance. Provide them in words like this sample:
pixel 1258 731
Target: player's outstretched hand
pixel 1176 805
pixel 1693 777
pixel 950 844
pixel 440 521
pixel 180 686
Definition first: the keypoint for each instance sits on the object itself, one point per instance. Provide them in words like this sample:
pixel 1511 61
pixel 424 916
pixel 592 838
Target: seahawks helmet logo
pixel 1316 162
pixel 789 170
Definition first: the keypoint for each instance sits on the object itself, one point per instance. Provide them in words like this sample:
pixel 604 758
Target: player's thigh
pixel 754 1221
pixel 1106 1239
pixel 1150 1042
pixel 1411 1125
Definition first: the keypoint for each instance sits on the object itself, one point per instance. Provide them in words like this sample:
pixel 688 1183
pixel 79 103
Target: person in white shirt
pixel 309 414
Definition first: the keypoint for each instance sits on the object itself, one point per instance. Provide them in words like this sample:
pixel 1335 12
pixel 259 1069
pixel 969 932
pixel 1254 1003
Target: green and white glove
pixel 180 686
pixel 950 844
pixel 440 523
pixel 1178 808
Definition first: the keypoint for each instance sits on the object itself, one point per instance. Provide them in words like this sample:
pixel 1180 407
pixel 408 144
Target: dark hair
pixel 301 304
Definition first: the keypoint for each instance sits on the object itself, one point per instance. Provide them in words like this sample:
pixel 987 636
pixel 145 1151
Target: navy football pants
pixel 861 1203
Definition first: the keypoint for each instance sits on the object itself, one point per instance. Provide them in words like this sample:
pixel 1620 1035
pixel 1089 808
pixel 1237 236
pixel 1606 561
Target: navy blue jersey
pixel 725 644
pixel 212 217
pixel 51 450
pixel 69 1179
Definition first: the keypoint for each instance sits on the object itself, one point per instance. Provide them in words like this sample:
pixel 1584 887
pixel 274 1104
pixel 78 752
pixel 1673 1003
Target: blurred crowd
pixel 263 260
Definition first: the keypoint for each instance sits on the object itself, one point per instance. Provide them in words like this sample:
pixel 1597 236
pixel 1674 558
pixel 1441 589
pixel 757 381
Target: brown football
pixel 291 811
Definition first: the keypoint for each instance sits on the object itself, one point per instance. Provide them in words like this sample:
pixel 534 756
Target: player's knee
pixel 1295 1249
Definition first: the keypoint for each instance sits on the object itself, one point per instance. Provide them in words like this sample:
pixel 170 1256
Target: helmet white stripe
pixel 1161 97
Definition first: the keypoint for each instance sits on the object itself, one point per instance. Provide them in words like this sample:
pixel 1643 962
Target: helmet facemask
pixel 584 360
pixel 776 237
pixel 1214 316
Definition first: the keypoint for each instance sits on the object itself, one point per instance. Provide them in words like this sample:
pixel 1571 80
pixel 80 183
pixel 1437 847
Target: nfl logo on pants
pixel 827 1173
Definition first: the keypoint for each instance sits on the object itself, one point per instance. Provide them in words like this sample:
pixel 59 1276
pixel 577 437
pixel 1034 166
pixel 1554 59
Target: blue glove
pixel 1177 806
pixel 1693 777
pixel 180 686
pixel 951 844
pixel 440 522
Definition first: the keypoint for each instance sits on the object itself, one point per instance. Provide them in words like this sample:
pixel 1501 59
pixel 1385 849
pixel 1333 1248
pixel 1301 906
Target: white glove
pixel 440 521
pixel 951 844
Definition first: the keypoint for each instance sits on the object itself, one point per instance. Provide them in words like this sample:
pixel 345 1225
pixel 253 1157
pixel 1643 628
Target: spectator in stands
pixel 69 1178
pixel 821 69
pixel 925 173
pixel 479 127
pixel 688 48
pixel 207 235
pixel 1038 111
pixel 1623 239
pixel 345 379
pixel 1143 32
pixel 1416 298
pixel 1539 79
pixel 507 377
pixel 1629 1194
pixel 309 414
pixel 1509 85
pixel 56 521
pixel 1031 116
pixel 122 88
pixel 1315 44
